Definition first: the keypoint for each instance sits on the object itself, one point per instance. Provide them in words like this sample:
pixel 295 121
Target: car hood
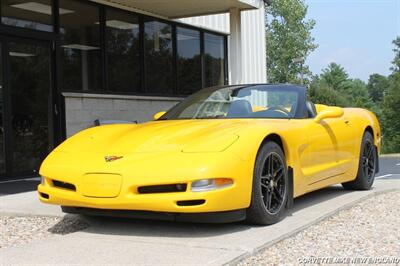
pixel 158 136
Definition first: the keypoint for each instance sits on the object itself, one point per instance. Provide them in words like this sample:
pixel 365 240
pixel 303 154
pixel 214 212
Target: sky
pixel 356 34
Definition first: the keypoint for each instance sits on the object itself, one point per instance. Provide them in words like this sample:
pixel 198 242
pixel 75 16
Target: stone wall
pixel 82 109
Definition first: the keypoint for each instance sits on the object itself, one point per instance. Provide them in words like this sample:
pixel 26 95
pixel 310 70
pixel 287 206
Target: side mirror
pixel 158 115
pixel 329 112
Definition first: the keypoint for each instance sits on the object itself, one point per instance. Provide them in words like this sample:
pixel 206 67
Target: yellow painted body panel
pixel 183 151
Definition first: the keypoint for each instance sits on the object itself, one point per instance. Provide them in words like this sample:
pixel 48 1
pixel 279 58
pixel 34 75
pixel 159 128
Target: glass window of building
pixel 123 51
pixel 29 68
pixel 80 66
pixel 158 57
pixel 214 53
pixel 36 15
pixel 189 60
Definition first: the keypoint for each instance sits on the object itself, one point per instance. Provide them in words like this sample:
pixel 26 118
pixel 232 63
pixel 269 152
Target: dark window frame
pixel 107 90
pixel 200 40
pixel 145 91
pixel 225 58
pixel 101 18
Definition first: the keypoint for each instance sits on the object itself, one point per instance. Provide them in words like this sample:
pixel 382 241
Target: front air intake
pixel 44 195
pixel 162 188
pixel 190 202
pixel 63 185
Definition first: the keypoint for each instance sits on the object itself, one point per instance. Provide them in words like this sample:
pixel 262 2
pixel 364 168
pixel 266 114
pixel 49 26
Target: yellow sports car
pixel 223 154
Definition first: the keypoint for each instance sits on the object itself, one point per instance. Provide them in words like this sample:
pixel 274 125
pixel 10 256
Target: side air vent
pixel 64 185
pixel 162 188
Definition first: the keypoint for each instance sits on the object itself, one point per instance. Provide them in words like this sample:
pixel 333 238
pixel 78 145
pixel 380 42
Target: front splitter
pixel 207 217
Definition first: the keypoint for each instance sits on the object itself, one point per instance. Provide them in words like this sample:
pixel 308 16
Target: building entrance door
pixel 26 131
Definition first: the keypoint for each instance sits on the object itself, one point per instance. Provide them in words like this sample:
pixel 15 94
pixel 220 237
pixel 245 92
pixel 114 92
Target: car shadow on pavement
pixel 143 228
pixel 150 228
pixel 318 196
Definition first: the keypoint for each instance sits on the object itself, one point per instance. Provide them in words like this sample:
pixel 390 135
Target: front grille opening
pixel 44 195
pixel 190 202
pixel 162 188
pixel 64 185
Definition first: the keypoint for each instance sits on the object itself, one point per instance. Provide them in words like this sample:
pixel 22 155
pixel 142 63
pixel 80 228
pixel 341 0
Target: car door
pixel 321 152
pixel 329 148
pixel 346 134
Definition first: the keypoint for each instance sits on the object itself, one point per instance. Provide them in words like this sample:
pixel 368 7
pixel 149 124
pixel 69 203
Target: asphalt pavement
pixel 389 166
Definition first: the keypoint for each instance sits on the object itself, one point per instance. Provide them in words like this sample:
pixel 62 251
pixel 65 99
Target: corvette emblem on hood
pixel 112 158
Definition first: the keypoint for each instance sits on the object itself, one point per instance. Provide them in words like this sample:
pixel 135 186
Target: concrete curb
pixel 390 155
pixel 19 214
pixel 266 245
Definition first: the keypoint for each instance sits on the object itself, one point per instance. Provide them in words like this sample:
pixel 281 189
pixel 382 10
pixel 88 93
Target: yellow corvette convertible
pixel 223 154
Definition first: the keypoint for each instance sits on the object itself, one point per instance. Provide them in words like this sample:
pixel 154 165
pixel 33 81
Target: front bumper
pixel 139 170
pixel 212 201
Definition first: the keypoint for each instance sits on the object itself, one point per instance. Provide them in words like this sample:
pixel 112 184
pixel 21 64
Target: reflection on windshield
pixel 261 101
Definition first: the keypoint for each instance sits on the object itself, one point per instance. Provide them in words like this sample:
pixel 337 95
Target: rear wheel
pixel 366 167
pixel 270 186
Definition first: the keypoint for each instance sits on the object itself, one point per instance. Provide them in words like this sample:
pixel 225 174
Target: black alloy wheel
pixel 270 186
pixel 273 186
pixel 366 166
pixel 368 160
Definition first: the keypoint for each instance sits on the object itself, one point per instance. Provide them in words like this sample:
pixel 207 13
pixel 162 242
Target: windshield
pixel 258 101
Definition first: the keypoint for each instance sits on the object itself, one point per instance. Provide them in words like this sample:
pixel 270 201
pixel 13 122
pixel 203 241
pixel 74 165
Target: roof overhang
pixel 173 9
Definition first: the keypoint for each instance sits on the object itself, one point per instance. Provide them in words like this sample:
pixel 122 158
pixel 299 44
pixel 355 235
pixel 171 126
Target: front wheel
pixel 366 167
pixel 270 186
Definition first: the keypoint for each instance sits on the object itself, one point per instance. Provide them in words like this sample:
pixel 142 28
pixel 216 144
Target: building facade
pixel 66 63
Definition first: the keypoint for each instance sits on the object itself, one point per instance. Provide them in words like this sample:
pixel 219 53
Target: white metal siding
pixel 218 22
pixel 254 46
pixel 253 40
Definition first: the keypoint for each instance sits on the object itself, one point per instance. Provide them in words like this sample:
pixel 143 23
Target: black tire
pixel 266 207
pixel 366 166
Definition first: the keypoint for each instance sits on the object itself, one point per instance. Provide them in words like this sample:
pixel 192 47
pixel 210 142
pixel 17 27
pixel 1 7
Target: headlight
pixel 211 184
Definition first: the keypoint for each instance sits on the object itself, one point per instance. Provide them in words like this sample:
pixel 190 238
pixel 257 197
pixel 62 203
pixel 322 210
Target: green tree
pixel 391 120
pixel 320 92
pixel 377 86
pixel 357 91
pixel 288 38
pixel 335 76
pixel 396 61
pixel 334 87
pixel 391 106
